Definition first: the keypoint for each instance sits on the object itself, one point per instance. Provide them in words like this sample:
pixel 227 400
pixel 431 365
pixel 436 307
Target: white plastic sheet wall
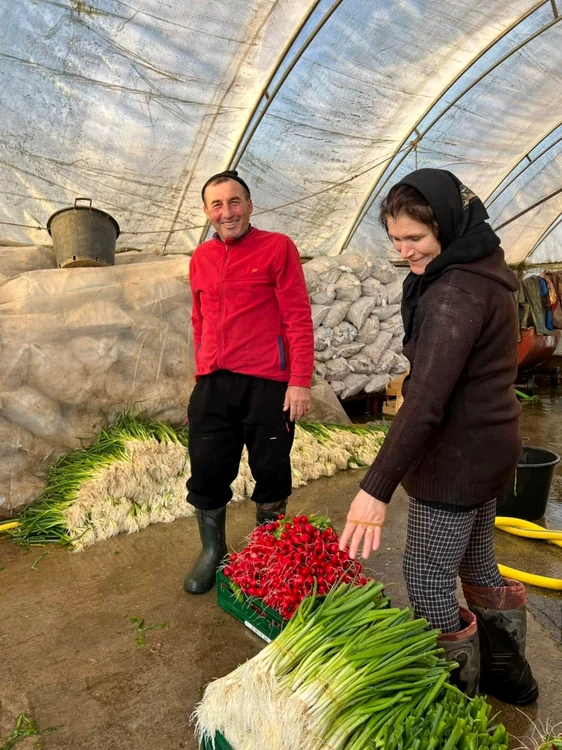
pixel 322 105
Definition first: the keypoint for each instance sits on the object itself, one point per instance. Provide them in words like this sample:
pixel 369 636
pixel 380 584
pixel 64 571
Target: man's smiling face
pixel 228 209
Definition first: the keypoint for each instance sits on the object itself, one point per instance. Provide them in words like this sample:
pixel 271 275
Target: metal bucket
pixel 83 236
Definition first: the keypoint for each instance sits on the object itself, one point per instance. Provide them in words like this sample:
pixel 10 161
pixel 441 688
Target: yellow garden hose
pixel 542 582
pixel 520 523
pixel 9 525
pixel 519 527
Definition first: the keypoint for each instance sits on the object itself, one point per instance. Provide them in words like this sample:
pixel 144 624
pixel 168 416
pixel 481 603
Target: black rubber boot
pixel 463 647
pixel 201 578
pixel 268 512
pixel 502 627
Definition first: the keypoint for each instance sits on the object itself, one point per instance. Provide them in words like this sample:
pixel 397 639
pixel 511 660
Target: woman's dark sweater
pixel 456 439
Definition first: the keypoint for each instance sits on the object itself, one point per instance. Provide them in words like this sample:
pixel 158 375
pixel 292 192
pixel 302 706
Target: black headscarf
pixel 464 233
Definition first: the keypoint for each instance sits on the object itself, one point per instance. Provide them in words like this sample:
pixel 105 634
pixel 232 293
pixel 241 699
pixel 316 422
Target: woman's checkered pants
pixel 442 545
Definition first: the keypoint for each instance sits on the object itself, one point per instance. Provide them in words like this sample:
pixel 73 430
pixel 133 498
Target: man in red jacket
pixel 254 353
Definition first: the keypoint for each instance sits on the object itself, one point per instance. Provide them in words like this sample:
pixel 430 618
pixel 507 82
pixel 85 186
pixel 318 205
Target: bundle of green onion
pixel 132 476
pixel 356 445
pixel 321 450
pixel 452 720
pixel 348 674
pixel 136 471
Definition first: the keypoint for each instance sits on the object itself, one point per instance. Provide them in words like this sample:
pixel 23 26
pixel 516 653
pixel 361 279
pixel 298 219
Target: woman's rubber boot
pixel 201 578
pixel 502 626
pixel 268 512
pixel 463 647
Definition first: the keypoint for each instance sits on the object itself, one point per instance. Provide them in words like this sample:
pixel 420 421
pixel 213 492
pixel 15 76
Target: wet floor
pixel 541 425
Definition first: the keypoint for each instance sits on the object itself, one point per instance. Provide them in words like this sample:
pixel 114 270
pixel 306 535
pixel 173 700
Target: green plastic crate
pixel 220 744
pixel 254 614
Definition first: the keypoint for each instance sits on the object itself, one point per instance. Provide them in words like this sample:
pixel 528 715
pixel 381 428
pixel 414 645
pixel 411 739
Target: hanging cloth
pixel 534 296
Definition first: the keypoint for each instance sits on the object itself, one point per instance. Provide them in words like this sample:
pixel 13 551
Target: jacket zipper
pixel 221 306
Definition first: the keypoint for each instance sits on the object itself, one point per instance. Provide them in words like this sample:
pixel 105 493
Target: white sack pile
pixel 357 322
pixel 78 347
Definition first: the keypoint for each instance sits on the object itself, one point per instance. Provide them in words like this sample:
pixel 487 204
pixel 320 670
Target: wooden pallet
pixel 394 398
pixel 392 405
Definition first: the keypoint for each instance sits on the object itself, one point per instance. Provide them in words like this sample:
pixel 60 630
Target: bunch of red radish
pixel 284 558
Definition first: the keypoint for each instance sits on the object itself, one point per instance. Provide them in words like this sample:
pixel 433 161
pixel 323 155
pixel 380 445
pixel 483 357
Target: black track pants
pixel 227 411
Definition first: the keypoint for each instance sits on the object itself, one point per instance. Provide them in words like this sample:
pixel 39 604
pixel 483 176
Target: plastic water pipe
pixel 519 527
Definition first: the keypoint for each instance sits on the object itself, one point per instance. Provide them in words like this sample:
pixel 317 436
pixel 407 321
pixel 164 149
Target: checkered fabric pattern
pixel 442 545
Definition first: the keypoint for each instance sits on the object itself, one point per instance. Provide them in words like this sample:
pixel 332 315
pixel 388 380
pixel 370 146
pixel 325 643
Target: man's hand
pixel 365 518
pixel 298 401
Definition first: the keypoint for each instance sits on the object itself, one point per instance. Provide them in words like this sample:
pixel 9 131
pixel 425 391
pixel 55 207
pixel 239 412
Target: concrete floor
pixel 68 656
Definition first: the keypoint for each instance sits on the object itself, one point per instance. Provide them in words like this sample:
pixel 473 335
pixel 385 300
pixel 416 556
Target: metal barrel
pixel 83 236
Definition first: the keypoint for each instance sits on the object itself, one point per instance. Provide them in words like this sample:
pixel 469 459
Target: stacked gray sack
pixel 358 328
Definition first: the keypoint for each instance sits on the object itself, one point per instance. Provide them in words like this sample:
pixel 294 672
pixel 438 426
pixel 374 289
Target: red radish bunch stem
pixel 285 557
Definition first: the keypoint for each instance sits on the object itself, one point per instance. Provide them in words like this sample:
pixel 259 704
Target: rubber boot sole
pixel 198 587
pixel 498 691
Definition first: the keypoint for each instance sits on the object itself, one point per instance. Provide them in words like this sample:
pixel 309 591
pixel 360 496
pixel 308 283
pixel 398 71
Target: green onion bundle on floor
pixel 347 674
pixel 133 475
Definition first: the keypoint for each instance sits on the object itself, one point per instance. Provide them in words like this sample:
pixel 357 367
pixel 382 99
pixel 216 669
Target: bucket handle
pixel 82 199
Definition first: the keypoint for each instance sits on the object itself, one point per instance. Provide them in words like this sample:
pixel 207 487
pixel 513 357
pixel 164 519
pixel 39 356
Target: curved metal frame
pixel 248 132
pixel 529 163
pixel 382 180
pixel 529 208
pixel 551 227
pixel 206 135
pixel 247 137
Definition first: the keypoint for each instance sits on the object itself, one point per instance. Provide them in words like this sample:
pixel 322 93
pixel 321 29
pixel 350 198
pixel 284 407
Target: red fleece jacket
pixel 250 311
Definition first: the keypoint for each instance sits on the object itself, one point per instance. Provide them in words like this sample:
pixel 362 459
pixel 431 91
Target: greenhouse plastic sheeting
pixel 321 104
pixel 80 346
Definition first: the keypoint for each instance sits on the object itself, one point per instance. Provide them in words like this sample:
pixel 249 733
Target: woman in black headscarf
pixel 455 442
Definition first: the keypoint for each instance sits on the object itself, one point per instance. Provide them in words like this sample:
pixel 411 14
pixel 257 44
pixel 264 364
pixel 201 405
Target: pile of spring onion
pixel 132 476
pixel 135 475
pixel 337 447
pixel 452 721
pixel 347 673
pixel 321 450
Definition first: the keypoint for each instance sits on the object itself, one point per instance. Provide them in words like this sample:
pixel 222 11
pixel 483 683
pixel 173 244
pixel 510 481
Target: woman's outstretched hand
pixel 364 523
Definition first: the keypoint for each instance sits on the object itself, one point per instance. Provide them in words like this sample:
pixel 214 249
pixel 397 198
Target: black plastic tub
pixel 527 494
pixel 83 236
